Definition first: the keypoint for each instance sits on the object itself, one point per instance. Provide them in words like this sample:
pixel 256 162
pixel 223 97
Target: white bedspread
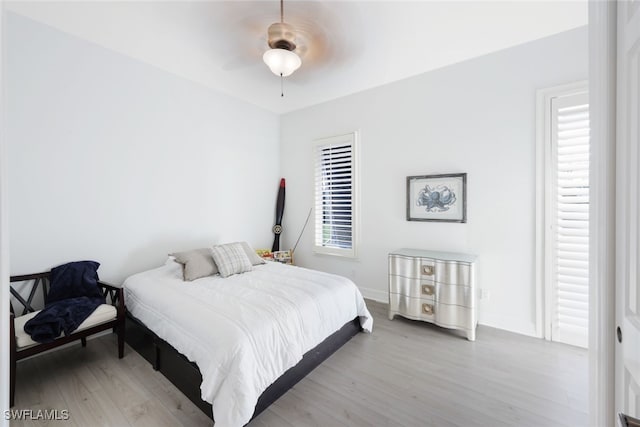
pixel 244 331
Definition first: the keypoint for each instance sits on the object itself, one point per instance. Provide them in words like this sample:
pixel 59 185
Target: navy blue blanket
pixel 73 296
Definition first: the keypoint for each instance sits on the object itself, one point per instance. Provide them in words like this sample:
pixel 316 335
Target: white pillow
pixel 231 258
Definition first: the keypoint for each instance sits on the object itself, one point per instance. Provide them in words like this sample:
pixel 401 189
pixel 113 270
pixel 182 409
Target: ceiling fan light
pixel 281 61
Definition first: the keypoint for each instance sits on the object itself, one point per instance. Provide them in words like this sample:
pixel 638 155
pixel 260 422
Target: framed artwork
pixel 437 198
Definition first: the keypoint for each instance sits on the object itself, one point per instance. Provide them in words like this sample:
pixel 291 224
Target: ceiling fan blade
pixel 322 33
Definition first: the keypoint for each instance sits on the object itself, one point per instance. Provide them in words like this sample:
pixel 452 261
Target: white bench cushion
pixel 103 313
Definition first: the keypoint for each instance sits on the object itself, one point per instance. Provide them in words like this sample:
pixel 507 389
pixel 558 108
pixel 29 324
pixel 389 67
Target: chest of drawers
pixel 435 287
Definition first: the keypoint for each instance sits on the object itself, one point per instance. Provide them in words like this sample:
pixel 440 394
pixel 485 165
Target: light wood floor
pixel 404 374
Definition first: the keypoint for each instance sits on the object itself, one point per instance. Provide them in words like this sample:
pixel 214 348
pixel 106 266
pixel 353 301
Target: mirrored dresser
pixel 435 287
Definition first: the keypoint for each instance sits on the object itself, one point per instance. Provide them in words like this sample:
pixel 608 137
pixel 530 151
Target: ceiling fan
pixel 281 58
pixel 314 31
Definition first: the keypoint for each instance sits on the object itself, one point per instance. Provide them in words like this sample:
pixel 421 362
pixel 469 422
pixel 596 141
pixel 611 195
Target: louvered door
pixel 568 220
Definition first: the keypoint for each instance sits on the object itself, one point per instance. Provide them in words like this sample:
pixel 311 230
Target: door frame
pixel 602 176
pixel 4 244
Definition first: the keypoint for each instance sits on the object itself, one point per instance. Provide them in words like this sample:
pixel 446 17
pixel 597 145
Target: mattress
pixel 246 330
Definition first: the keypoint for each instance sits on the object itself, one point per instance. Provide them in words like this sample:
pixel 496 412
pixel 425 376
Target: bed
pixel 248 337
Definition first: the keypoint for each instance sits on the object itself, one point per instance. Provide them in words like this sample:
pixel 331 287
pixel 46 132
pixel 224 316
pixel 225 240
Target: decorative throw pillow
pixel 196 263
pixel 231 258
pixel 251 254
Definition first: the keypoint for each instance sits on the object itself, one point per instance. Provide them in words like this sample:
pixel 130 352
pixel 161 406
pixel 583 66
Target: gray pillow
pixel 231 258
pixel 196 263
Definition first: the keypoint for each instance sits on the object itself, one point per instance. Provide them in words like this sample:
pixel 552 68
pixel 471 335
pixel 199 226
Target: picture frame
pixel 441 198
pixel 284 257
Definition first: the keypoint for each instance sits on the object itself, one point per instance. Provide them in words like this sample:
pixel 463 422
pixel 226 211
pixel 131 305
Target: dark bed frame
pixel 186 376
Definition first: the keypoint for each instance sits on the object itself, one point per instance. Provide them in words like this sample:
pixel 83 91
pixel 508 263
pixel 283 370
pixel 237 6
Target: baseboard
pixel 375 294
pixel 508 323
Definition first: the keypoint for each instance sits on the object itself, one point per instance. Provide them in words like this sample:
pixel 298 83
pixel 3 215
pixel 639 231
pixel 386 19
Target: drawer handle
pixel 427 270
pixel 427 290
pixel 427 309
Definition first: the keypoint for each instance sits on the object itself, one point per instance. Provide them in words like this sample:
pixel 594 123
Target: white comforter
pixel 244 331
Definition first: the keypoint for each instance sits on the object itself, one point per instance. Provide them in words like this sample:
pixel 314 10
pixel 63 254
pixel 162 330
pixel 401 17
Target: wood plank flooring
pixel 404 374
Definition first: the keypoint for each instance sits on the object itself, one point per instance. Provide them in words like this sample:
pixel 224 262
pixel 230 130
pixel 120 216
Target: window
pixel 335 195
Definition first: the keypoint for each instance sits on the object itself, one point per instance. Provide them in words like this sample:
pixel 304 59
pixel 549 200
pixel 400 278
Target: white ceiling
pixel 346 46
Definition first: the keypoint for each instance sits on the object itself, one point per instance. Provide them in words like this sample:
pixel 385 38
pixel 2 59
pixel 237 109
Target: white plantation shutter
pixel 334 204
pixel 569 220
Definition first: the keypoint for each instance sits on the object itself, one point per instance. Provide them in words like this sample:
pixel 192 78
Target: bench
pixel 106 316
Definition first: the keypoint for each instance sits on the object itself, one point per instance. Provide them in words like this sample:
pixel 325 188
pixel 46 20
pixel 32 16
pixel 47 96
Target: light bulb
pixel 281 61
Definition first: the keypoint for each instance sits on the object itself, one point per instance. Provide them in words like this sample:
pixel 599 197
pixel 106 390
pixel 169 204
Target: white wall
pixel 114 160
pixel 477 117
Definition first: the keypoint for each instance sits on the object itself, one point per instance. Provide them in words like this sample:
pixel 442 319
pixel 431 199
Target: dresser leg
pixel 391 315
pixel 471 335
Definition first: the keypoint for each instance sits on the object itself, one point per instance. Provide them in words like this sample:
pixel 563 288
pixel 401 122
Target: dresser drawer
pixel 414 288
pixel 457 295
pixel 454 316
pixel 413 268
pixel 415 308
pixel 453 273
